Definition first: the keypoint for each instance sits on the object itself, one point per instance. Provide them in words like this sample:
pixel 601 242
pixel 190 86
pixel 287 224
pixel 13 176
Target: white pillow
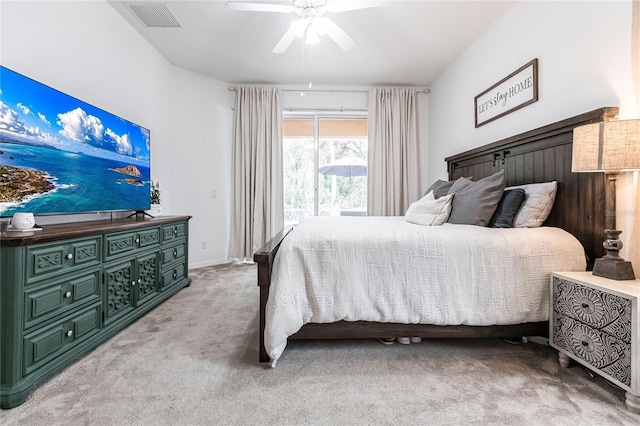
pixel 429 211
pixel 537 204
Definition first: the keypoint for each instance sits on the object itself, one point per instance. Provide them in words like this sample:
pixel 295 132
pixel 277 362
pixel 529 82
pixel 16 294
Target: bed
pixel 539 155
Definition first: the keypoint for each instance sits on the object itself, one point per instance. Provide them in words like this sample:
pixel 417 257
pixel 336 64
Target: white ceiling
pixel 400 43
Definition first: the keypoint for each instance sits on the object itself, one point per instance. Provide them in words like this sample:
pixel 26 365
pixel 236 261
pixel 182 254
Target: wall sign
pixel 513 92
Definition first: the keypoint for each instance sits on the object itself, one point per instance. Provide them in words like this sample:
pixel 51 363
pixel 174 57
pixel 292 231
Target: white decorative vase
pixel 156 210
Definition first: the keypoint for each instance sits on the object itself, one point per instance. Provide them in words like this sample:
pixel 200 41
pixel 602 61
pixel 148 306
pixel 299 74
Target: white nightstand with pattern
pixel 595 321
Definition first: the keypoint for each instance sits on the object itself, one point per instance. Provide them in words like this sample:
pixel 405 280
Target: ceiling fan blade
pixel 259 7
pixel 285 41
pixel 335 6
pixel 338 35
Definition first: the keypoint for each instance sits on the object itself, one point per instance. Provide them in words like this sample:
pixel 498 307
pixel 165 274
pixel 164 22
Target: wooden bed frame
pixel 539 155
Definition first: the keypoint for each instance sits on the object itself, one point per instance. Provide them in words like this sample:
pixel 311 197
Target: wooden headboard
pixel 543 155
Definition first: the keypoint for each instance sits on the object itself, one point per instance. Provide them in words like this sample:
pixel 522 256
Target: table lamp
pixel 611 147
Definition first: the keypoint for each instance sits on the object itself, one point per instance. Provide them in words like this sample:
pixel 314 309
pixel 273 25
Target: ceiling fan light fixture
pixel 308 8
pixel 311 23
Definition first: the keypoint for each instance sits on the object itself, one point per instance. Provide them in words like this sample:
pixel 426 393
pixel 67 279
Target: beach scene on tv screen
pixel 61 155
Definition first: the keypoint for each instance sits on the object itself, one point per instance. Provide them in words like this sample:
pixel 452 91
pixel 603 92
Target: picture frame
pixel 515 91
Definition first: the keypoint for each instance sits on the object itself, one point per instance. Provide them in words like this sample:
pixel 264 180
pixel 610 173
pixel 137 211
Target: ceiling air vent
pixel 155 15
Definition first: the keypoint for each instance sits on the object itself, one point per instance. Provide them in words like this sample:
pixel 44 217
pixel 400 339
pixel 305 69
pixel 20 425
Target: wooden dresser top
pixel 64 231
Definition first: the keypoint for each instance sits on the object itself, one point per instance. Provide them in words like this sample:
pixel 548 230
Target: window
pixel 325 166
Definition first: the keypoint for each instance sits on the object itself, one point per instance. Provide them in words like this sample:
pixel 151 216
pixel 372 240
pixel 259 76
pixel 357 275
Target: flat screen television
pixel 60 155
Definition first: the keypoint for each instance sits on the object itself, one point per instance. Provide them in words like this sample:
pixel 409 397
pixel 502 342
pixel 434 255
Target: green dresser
pixel 69 287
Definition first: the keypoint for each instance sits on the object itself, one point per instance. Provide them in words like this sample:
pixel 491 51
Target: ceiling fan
pixel 311 23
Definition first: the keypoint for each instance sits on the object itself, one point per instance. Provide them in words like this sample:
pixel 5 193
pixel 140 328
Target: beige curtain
pixel 635 52
pixel 393 175
pixel 628 188
pixel 258 203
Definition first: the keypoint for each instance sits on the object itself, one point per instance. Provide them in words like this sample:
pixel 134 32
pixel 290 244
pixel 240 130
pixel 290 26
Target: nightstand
pixel 595 322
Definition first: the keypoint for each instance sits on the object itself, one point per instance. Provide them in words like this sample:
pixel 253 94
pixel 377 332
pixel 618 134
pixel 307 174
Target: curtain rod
pixel 419 90
pixel 334 109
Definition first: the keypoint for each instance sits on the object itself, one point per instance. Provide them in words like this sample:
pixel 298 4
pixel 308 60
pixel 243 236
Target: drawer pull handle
pixel 67 294
pixel 175 274
pixel 139 280
pixel 585 343
pixel 175 253
pixel 69 333
pixel 137 240
pixel 70 256
pixel 585 305
pixel 175 232
pixel 133 283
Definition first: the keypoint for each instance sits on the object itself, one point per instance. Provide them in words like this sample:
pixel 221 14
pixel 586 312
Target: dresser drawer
pixel 603 311
pixel 45 260
pixel 66 293
pixel 173 275
pixel 122 243
pixel 174 231
pixel 173 253
pixel 42 345
pixel 600 350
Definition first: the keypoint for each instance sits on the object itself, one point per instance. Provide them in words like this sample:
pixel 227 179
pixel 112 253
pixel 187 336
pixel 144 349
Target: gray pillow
pixel 507 208
pixel 441 187
pixel 475 202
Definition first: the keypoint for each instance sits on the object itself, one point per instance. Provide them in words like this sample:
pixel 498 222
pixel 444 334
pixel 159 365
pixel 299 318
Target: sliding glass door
pixel 325 166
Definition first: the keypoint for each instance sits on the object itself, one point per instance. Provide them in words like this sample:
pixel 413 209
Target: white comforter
pixel 385 269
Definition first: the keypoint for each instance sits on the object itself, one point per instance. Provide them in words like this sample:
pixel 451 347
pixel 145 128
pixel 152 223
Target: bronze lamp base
pixel 611 265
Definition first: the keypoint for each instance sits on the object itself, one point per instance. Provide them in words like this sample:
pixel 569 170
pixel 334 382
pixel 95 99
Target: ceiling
pixel 399 43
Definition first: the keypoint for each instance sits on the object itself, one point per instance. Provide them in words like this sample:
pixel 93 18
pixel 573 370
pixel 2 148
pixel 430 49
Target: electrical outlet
pixel 203 245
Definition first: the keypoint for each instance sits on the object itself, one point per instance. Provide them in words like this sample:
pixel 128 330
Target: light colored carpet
pixel 193 361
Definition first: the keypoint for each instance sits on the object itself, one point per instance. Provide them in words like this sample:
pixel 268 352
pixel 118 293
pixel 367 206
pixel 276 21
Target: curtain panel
pixel 628 190
pixel 257 200
pixel 393 176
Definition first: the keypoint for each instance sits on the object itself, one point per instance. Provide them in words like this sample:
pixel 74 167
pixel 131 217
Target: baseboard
pixel 208 263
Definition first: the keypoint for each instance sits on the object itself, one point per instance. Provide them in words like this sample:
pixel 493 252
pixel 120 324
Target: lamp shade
pixel 607 146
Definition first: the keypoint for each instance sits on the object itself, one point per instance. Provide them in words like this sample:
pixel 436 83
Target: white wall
pixel 584 52
pixel 324 97
pixel 86 49
pixel 197 162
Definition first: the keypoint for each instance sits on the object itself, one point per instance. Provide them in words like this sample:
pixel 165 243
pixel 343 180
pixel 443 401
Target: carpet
pixel 193 361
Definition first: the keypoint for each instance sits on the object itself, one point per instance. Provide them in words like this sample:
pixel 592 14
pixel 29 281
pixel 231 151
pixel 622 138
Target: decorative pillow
pixel 429 211
pixel 538 202
pixel 507 208
pixel 475 202
pixel 441 187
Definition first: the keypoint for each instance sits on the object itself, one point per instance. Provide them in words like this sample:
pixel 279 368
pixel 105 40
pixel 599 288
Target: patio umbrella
pixel 346 167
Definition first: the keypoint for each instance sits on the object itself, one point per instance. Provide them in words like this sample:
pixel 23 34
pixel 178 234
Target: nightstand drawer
pixel 594 321
pixel 601 350
pixel 603 311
